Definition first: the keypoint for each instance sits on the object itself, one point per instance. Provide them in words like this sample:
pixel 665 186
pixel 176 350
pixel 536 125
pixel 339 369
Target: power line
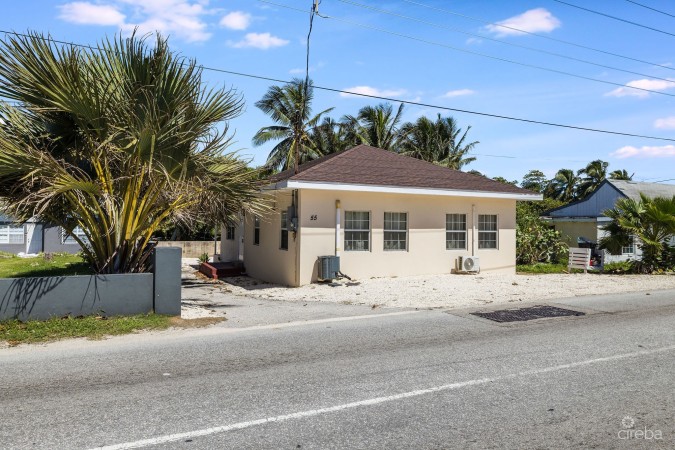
pixel 484 55
pixel 456 30
pixel 649 7
pixel 615 18
pixel 561 41
pixel 396 100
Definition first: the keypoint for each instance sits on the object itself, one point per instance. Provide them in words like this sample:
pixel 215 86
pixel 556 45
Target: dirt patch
pixel 196 323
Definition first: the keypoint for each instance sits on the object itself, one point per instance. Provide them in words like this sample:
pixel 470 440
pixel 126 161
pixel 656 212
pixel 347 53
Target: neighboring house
pixel 383 214
pixel 34 237
pixel 585 218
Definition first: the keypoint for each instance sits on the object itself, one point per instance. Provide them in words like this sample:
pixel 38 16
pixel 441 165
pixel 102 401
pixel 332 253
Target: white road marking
pixel 374 401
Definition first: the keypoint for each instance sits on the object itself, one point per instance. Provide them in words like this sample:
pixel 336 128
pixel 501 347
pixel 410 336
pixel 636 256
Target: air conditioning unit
pixel 468 264
pixel 329 267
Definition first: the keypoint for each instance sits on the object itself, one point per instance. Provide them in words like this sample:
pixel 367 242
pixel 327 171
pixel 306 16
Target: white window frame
pixel 229 232
pixel 67 239
pixel 483 232
pixel 284 229
pixel 256 230
pixel 629 250
pixel 455 231
pixel 9 230
pixel 397 231
pixel 348 231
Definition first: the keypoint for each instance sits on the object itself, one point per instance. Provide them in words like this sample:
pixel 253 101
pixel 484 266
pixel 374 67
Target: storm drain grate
pixel 523 314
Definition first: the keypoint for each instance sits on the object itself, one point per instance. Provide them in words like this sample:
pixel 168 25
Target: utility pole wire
pixel 396 100
pixel 615 18
pixel 471 52
pixel 649 7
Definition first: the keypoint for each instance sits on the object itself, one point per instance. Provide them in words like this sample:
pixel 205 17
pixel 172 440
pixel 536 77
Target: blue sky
pixel 258 38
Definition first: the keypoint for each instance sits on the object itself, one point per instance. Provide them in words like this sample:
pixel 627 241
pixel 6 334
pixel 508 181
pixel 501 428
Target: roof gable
pixel 371 166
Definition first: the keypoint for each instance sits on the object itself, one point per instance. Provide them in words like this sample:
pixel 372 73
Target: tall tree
pixel 440 141
pixel 620 175
pixel 534 180
pixel 330 137
pixel 594 174
pixel 563 186
pixel 115 139
pixel 290 107
pixel 376 126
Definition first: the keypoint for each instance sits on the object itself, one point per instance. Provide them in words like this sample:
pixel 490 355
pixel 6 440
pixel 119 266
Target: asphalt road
pixel 425 379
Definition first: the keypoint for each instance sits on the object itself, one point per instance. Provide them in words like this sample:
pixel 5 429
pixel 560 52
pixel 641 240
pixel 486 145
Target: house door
pixel 33 238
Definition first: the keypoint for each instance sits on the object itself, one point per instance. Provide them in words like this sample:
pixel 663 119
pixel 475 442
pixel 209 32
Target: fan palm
pixel 290 107
pixel 649 220
pixel 375 125
pixel 115 140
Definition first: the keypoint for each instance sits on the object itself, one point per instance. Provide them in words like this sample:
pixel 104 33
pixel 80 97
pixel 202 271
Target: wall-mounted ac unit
pixel 468 264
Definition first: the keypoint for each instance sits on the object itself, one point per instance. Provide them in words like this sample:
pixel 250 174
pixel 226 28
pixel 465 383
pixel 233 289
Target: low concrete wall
pixel 192 249
pixel 111 295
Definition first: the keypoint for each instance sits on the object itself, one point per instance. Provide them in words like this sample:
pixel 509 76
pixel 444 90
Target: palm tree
pixel 436 141
pixel 563 186
pixel 115 140
pixel 649 220
pixel 596 172
pixel 329 137
pixel 620 175
pixel 290 107
pixel 375 125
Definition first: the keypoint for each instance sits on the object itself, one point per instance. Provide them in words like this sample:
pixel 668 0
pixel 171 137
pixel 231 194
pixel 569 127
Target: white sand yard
pixel 453 291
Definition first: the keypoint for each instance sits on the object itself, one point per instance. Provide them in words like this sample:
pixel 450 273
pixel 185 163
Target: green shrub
pixel 619 267
pixel 204 258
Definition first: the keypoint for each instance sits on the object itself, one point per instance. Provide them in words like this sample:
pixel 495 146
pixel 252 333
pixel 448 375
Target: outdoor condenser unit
pixel 468 264
pixel 329 267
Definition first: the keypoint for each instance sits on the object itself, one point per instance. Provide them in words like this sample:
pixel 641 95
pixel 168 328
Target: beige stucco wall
pixel 267 261
pixel 426 252
pixel 572 230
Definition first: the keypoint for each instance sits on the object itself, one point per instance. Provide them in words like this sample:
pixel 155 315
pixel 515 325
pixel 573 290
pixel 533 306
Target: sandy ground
pixel 430 291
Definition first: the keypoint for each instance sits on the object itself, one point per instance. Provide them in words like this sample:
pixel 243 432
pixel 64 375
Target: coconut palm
pixel 329 137
pixel 651 221
pixel 436 141
pixel 290 107
pixel 115 140
pixel 595 173
pixel 563 186
pixel 620 175
pixel 375 125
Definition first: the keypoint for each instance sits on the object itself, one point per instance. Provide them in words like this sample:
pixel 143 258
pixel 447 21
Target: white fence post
pixel 580 258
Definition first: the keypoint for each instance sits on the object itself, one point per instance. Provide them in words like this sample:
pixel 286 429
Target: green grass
pixel 60 264
pixel 541 268
pixel 92 327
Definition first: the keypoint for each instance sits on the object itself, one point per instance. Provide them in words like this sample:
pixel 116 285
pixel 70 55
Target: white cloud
pixel 667 123
pixel 538 20
pixel 262 41
pixel 665 151
pixel 236 20
pixel 652 85
pixel 369 90
pixel 458 93
pixel 180 18
pixel 86 13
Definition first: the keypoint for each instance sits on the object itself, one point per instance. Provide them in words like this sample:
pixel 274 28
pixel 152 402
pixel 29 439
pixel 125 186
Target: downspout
pixel 337 228
pixel 473 230
pixel 295 199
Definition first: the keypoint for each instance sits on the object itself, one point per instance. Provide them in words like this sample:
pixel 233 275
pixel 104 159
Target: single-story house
pixel 582 221
pixel 383 214
pixel 34 237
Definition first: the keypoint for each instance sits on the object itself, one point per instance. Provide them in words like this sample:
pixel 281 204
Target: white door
pixel 33 238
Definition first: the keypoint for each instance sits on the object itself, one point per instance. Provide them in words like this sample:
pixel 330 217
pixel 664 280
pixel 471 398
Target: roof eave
pixel 294 184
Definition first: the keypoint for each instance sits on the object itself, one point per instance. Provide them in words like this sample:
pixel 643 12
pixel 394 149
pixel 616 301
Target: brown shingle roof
pixel 366 165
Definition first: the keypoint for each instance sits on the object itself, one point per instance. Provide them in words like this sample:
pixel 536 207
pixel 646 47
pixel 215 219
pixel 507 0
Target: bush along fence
pixel 109 295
